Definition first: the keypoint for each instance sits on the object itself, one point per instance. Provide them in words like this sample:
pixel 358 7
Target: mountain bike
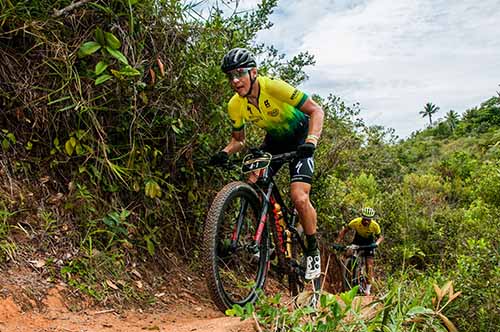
pixel 248 227
pixel 354 267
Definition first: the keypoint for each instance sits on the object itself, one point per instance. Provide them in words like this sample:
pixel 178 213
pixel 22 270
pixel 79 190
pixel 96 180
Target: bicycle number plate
pixel 252 164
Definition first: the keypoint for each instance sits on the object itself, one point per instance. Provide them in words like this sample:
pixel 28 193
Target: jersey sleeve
pixel 376 229
pixel 235 115
pixel 286 93
pixel 352 223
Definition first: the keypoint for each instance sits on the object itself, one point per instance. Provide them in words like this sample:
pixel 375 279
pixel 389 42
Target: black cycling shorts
pixel 361 241
pixel 301 170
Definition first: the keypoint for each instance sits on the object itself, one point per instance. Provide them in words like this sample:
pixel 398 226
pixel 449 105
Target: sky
pixel 393 56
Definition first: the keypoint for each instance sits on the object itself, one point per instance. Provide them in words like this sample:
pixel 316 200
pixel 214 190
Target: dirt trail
pixel 56 318
pixel 185 317
pixel 185 309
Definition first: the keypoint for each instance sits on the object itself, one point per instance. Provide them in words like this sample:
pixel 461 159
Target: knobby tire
pixel 234 275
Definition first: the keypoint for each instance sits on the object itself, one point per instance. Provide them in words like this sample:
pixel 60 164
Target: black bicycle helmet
pixel 238 58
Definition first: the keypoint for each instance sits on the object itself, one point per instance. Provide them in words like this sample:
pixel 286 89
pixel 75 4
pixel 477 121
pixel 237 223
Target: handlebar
pixel 287 156
pixel 341 247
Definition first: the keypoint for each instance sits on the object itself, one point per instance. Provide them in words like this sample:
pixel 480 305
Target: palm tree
pixel 429 109
pixel 452 119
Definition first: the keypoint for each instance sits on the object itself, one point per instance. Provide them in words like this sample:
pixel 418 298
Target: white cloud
pixel 394 56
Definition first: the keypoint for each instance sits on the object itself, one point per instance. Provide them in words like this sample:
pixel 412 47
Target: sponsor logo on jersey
pixel 274 112
pixel 254 118
pixel 267 103
pixel 294 94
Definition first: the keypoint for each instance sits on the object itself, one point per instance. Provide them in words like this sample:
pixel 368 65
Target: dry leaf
pixel 446 287
pixel 136 273
pixel 160 65
pixel 153 76
pixel 111 284
pixel 438 292
pixel 449 325
pixel 454 296
pixel 38 263
pixel 138 283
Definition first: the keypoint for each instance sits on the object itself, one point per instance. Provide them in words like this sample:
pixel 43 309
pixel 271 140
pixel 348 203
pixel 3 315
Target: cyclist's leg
pixel 301 171
pixel 369 269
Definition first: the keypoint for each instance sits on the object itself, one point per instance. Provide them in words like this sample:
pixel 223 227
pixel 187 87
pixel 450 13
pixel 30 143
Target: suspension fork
pixel 263 215
pixel 239 225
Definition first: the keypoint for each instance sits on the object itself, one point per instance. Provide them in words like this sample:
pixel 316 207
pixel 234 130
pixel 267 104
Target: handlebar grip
pixel 337 246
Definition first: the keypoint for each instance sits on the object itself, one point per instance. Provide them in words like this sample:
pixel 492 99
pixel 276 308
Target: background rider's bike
pixel 249 226
pixel 354 268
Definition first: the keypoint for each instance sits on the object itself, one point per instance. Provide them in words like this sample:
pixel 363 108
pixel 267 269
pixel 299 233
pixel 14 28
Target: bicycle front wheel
pixel 361 276
pixel 235 267
pixel 348 276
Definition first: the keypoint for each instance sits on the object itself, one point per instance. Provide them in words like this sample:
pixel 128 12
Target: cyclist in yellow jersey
pixel 292 121
pixel 367 233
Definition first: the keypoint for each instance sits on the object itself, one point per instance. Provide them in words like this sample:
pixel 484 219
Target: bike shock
pixel 280 226
pixel 288 240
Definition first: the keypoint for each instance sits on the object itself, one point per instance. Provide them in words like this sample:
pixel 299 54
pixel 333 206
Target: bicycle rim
pixel 235 268
pixel 348 276
pixel 361 277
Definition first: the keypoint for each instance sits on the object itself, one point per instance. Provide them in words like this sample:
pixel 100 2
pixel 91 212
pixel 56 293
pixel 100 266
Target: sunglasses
pixel 237 73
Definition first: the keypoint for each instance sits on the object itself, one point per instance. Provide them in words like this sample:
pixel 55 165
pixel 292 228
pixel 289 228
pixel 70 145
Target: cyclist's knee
pixel 253 177
pixel 300 200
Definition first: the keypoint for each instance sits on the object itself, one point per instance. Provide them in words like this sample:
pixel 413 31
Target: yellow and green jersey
pixel 278 112
pixel 368 232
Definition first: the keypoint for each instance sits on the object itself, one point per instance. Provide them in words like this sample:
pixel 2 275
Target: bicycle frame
pixel 238 251
pixel 268 190
pixel 355 272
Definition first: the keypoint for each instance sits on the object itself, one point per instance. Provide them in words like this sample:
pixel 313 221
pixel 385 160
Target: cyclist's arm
pixel 237 142
pixel 316 115
pixel 341 235
pixel 380 239
pixel 289 94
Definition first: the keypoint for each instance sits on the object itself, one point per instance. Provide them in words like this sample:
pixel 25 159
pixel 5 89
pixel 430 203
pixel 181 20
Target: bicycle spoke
pixel 238 273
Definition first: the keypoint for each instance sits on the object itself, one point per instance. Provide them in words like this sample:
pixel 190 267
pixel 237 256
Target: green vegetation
pixel 110 110
pixel 406 307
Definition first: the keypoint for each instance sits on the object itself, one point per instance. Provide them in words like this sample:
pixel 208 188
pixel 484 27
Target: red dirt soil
pixel 56 317
pixel 29 304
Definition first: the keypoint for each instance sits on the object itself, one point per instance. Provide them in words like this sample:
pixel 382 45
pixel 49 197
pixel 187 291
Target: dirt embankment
pixel 56 318
pixel 28 305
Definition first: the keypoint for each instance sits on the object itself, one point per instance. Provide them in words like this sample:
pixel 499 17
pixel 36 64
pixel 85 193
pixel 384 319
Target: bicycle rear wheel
pixel 234 267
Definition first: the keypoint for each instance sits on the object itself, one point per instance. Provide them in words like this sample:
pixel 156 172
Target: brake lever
pixel 256 152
